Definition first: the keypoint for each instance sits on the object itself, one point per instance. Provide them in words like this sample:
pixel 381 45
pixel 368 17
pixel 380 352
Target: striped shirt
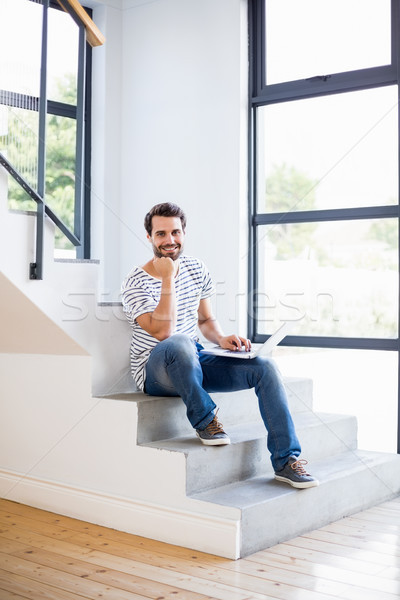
pixel 141 294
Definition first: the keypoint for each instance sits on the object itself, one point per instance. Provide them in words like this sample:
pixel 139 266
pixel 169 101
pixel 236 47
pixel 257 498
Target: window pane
pixel 334 278
pixel 19 141
pixel 62 64
pixel 306 38
pixel 60 167
pixel 20 46
pixel 331 152
pixel 341 386
pixel 18 199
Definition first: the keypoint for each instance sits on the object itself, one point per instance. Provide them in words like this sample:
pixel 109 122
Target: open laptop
pixel 263 350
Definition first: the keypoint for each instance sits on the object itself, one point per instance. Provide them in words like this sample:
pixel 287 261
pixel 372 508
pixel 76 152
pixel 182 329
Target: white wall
pixel 181 122
pixel 106 143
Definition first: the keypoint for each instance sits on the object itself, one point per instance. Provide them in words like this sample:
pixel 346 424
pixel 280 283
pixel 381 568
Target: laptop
pixel 263 350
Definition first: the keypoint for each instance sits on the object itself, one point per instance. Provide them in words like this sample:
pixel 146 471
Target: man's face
pixel 167 237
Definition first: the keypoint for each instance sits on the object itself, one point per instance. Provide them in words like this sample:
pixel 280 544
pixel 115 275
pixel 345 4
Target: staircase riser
pixel 328 439
pixel 234 408
pixel 211 467
pixel 292 515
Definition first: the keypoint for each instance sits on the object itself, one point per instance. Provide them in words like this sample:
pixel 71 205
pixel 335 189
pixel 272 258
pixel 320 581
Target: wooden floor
pixel 45 556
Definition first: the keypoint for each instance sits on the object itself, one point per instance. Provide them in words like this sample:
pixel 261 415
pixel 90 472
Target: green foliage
pixel 60 167
pixel 287 190
pixel 60 157
pixel 20 147
pixel 386 231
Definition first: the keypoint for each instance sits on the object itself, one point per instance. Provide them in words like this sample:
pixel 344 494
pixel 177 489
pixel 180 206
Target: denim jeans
pixel 175 368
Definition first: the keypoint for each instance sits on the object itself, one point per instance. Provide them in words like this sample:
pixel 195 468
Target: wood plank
pixel 357 542
pixel 30 524
pixel 369 525
pixel 63 581
pixel 33 590
pixel 6 595
pixel 259 584
pixel 100 531
pixel 356 558
pixel 10 546
pixel 363 533
pixel 129 565
pixel 111 577
pixel 136 543
pixel 345 551
pixel 45 543
pixel 328 572
pixel 17 508
pixel 175 576
pixel 45 516
pixel 381 515
pixel 295 577
pixel 287 554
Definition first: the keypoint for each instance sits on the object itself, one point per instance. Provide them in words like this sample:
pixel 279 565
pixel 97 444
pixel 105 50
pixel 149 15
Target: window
pixel 310 37
pixel 42 51
pixel 324 165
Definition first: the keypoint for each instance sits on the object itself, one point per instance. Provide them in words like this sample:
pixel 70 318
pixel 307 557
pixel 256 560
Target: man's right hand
pixel 161 322
pixel 164 267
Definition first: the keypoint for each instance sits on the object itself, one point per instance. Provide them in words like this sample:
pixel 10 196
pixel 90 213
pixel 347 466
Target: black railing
pixel 45 107
pixel 35 268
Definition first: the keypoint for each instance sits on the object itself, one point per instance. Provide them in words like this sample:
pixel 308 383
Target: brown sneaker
pixel 295 474
pixel 213 434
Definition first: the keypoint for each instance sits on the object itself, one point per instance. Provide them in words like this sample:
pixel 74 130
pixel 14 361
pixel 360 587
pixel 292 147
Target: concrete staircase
pixel 76 439
pixel 240 475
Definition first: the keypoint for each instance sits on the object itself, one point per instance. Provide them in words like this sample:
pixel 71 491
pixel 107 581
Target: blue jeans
pixel 175 368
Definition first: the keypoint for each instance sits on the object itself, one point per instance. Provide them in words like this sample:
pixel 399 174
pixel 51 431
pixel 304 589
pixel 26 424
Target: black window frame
pixel 261 94
pixel 79 112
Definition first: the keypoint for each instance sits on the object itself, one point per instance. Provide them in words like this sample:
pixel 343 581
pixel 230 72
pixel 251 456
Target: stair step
pixel 247 456
pixel 162 417
pixel 272 511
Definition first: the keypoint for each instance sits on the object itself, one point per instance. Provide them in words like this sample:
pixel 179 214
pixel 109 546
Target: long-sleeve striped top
pixel 141 294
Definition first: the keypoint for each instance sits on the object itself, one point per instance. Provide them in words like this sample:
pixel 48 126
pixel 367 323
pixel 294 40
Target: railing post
pixel 36 268
pixel 79 227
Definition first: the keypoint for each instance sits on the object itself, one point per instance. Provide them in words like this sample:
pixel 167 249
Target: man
pixel 165 301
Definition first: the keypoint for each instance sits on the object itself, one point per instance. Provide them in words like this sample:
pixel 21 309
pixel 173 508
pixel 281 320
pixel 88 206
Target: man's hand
pixel 235 342
pixel 161 322
pixel 164 267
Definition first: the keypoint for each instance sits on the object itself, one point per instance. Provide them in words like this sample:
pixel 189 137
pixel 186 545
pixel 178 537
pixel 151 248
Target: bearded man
pixel 166 301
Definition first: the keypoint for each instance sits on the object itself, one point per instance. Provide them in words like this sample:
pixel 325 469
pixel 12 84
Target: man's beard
pixel 163 254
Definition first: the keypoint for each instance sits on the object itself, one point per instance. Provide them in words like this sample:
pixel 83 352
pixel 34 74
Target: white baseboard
pixel 189 529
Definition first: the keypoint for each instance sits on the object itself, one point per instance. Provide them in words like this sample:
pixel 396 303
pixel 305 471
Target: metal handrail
pixel 40 202
pixel 38 194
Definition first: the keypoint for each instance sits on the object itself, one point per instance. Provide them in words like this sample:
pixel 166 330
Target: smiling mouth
pixel 169 248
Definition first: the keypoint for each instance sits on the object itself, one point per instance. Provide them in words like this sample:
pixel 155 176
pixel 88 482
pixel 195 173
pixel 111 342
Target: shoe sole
pixel 215 442
pixel 298 484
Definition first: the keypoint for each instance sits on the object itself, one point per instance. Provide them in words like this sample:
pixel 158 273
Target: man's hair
pixel 166 209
